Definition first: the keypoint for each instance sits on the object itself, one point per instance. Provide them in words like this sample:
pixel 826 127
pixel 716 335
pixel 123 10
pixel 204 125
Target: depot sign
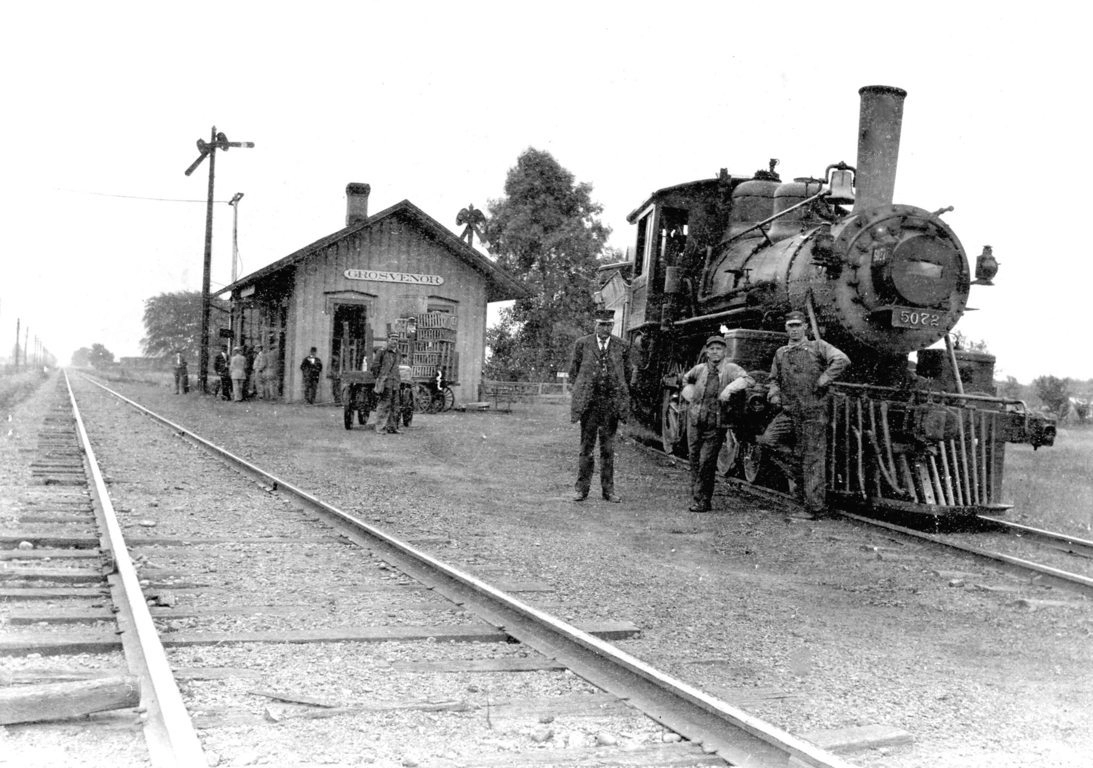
pixel 393 277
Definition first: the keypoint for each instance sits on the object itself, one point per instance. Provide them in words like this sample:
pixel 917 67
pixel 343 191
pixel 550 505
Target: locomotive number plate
pixel 909 317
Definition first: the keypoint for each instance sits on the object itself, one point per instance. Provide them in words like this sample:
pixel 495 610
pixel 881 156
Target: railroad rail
pixel 1021 566
pixel 719 727
pixel 68 472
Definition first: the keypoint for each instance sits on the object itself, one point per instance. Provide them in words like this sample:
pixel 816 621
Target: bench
pixel 500 393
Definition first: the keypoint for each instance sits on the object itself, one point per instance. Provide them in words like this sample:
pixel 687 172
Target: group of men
pixel 795 440
pixel 247 372
pixel 385 371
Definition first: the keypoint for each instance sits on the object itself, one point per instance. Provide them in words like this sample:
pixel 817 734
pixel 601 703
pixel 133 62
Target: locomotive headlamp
pixel 986 267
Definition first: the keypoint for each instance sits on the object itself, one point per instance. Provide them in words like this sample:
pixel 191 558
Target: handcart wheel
pixel 423 398
pixel 447 399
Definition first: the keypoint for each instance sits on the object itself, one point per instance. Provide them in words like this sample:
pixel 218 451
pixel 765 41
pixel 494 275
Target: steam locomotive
pixel 879 280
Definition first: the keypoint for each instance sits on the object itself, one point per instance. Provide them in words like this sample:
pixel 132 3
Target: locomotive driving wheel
pixel 673 424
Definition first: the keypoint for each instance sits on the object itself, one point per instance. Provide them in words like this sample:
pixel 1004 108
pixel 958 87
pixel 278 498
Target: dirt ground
pixel 838 624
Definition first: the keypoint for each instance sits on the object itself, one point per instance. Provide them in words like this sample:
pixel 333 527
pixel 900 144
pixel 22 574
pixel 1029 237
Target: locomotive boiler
pixel 882 281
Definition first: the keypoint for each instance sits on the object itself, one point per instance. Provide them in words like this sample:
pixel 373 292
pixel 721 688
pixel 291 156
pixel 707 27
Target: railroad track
pixel 349 638
pixel 1064 561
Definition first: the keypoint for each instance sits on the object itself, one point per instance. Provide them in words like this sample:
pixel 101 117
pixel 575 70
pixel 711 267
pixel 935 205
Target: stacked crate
pixel 435 346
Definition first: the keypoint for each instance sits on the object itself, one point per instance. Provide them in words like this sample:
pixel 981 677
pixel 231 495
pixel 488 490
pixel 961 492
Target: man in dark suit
pixel 599 373
pixel 223 372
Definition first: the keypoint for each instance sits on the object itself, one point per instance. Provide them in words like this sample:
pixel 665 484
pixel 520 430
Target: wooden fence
pixel 529 390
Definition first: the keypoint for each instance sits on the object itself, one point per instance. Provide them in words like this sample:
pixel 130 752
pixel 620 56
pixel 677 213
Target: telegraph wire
pixel 138 197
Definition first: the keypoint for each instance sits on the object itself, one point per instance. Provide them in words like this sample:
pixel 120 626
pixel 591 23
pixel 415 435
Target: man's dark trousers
pixel 596 425
pixel 704 442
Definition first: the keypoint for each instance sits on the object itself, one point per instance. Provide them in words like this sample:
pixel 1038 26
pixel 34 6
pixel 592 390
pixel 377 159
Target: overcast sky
pixel 433 102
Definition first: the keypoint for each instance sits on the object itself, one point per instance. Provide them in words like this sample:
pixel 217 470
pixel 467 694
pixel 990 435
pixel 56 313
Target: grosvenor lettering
pixel 393 277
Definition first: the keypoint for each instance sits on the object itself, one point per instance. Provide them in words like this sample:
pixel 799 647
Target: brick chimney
pixel 356 203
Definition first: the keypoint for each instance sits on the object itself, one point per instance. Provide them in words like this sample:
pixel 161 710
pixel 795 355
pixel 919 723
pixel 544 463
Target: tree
pixel 172 321
pixel 1054 392
pixel 100 356
pixel 81 358
pixel 546 232
pixel 961 341
pixel 1011 388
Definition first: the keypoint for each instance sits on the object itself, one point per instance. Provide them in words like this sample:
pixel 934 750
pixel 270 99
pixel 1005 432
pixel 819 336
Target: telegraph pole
pixel 216 141
pixel 234 203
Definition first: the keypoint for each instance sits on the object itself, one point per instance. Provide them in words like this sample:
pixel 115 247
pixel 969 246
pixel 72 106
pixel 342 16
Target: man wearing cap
pixel 599 373
pixel 799 379
pixel 713 382
pixel 385 369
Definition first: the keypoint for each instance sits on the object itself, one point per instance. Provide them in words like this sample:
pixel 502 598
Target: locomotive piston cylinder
pixel 879 128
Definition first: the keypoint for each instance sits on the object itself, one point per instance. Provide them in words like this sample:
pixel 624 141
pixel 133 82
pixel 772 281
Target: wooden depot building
pixel 397 270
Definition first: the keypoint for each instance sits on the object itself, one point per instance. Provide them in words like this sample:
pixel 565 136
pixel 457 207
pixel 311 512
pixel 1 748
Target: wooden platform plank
pixel 217 673
pixel 858 737
pixel 451 633
pixel 67 575
pixel 60 643
pixel 83 539
pixel 52 593
pixel 91 641
pixel 136 542
pixel 479 665
pixel 48 554
pixel 61 701
pixel 17 616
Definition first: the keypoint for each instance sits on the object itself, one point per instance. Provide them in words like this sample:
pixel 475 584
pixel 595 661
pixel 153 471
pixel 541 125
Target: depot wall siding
pixel 396 244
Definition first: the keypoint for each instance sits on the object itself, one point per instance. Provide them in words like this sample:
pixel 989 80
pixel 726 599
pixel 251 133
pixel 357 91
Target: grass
pixel 16 387
pixel 1052 487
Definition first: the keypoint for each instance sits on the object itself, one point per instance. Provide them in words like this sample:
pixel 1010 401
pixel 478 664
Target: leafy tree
pixel 100 356
pixel 172 321
pixel 961 341
pixel 547 233
pixel 1011 388
pixel 1054 392
pixel 81 358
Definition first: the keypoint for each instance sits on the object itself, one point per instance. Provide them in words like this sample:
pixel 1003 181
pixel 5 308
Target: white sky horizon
pixel 434 104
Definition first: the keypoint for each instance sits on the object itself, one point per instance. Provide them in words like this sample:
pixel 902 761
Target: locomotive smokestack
pixel 878 145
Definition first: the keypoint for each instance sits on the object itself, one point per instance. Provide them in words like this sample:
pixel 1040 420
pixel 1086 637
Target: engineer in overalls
pixel 799 379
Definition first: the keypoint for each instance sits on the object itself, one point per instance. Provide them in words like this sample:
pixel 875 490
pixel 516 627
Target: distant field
pixel 1053 487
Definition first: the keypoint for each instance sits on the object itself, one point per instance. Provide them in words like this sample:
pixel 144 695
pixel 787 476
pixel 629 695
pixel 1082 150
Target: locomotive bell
pixel 840 190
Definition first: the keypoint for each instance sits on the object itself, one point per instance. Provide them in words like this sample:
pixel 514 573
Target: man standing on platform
pixel 800 377
pixel 182 374
pixel 312 367
pixel 223 372
pixel 386 373
pixel 713 382
pixel 259 380
pixel 599 372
